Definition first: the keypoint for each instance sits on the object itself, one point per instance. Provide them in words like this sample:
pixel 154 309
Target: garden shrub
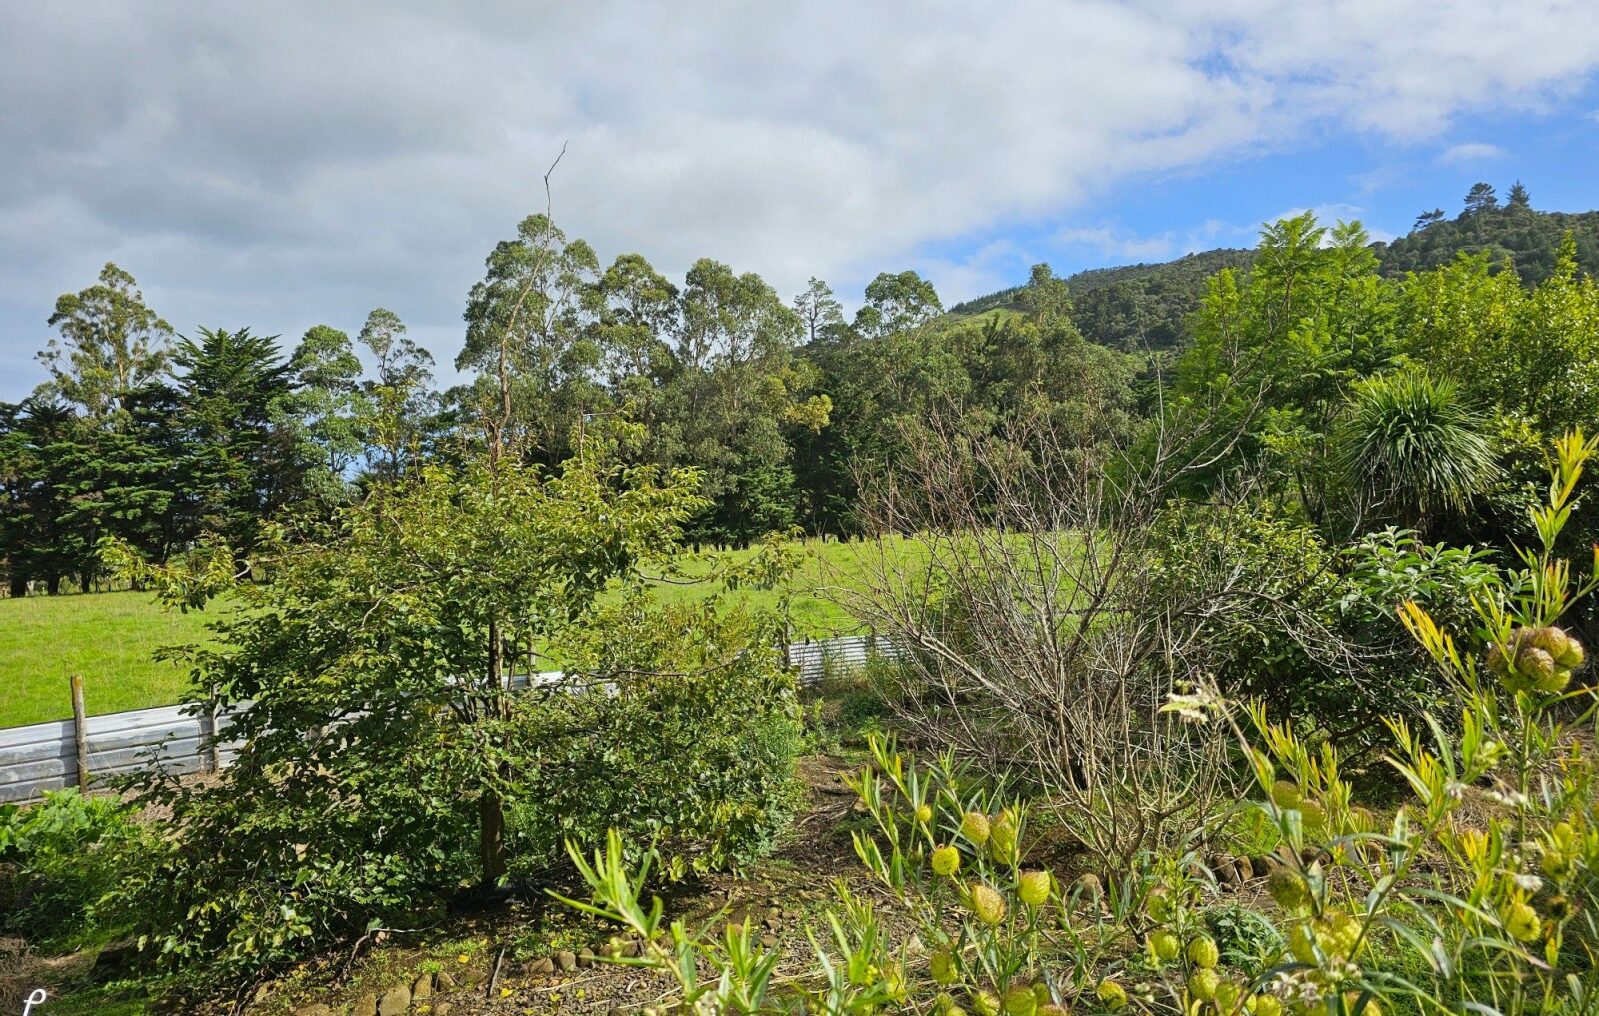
pixel 387 759
pixel 688 743
pixel 1315 634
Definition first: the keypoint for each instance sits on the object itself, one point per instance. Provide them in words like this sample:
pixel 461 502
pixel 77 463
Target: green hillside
pixel 1134 307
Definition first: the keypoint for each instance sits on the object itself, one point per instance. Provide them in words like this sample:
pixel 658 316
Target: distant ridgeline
pixel 1144 305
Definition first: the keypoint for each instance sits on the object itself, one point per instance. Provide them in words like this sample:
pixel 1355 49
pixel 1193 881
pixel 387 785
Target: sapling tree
pixel 372 680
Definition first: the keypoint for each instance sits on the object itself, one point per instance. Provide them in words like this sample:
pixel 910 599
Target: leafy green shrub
pixel 689 744
pixel 381 730
pixel 1313 633
pixel 59 858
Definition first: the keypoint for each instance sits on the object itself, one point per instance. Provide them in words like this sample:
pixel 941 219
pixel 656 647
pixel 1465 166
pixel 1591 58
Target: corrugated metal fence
pixel 44 756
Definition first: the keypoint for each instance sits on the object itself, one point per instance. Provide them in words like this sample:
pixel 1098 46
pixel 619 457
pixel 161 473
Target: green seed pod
pixel 943 966
pixel 1535 664
pixel 1033 887
pixel 1202 952
pixel 1112 995
pixel 1158 905
pixel 1041 992
pixel 1302 943
pixel 945 1005
pixel 1164 947
pixel 984 1003
pixel 924 814
pixel 987 904
pixel 1203 984
pixel 1020 1001
pixel 1002 837
pixel 1284 794
pixel 1264 1005
pixel 1521 922
pixel 1337 934
pixel 1227 995
pixel 974 826
pixel 1555 683
pixel 1570 653
pixel 1288 888
pixel 946 861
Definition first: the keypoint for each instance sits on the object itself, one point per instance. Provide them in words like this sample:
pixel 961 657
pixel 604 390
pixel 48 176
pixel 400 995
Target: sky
pixel 278 165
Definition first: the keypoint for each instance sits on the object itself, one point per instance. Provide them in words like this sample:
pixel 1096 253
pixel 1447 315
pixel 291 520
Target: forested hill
pixel 1144 305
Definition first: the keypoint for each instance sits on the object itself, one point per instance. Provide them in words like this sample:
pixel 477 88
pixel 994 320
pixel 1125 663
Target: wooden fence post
pixel 80 729
pixel 208 732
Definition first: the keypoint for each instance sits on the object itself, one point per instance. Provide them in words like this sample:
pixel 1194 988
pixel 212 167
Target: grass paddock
pixel 111 638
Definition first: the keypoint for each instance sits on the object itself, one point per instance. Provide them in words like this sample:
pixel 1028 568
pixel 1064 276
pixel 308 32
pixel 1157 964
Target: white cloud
pixel 277 164
pixel 1470 151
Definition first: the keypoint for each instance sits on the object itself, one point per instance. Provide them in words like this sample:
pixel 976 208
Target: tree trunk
pixel 491 810
pixel 19 586
pixel 52 585
pixel 491 836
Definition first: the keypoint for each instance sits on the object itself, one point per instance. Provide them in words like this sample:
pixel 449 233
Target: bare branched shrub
pixel 1038 632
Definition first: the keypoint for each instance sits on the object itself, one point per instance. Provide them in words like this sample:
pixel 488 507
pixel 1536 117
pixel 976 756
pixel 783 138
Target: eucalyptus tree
pixel 111 345
pixel 530 343
pixel 399 399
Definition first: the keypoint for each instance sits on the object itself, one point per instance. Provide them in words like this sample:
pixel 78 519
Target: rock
pixel 115 955
pixel 443 1008
pixel 772 922
pixel 1246 868
pixel 566 959
pixel 314 1009
pixel 444 981
pixel 1226 871
pixel 366 1005
pixel 395 1002
pixel 262 993
pixel 543 966
pixel 585 957
pixel 423 988
pixel 768 940
pixel 632 947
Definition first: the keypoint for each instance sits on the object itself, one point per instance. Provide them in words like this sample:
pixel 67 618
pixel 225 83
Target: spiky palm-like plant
pixel 1413 447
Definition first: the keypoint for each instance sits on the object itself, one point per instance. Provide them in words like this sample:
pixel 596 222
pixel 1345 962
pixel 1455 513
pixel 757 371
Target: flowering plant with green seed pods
pixel 1478 894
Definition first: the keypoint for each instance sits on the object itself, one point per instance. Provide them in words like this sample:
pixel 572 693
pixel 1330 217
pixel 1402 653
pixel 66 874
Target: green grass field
pixel 110 638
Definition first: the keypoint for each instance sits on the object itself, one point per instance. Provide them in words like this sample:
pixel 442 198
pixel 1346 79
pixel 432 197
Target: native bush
pixel 1311 631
